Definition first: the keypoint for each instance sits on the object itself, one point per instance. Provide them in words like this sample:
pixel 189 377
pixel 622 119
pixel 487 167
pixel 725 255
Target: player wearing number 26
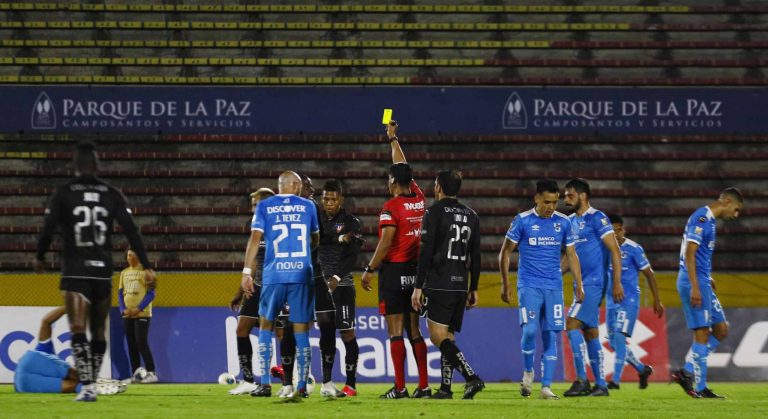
pixel 290 229
pixel 85 209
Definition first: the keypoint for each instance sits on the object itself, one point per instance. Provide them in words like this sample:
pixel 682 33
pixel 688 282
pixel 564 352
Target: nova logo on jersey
pixel 43 113
pixel 514 115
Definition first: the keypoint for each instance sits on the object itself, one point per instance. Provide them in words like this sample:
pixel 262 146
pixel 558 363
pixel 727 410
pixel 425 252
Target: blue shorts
pixel 544 303
pixel 621 317
pixel 588 311
pixel 39 372
pixel 708 313
pixel 300 297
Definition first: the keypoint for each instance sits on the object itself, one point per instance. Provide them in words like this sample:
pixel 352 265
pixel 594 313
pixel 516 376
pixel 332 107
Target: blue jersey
pixel 700 229
pixel 633 260
pixel 287 222
pixel 589 230
pixel 540 241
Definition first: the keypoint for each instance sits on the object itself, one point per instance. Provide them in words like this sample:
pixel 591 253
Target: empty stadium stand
pixel 622 42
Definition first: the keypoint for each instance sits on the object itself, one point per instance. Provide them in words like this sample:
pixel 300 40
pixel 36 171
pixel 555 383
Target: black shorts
pixel 344 301
pixel 445 308
pixel 94 290
pixel 250 306
pixel 396 287
pixel 323 298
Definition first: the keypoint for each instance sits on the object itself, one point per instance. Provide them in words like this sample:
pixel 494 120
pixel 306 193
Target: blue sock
pixel 578 347
pixel 45 346
pixel 78 387
pixel 712 344
pixel 549 360
pixel 596 361
pixel 303 357
pixel 265 355
pixel 528 345
pixel 700 352
pixel 634 361
pixel 620 349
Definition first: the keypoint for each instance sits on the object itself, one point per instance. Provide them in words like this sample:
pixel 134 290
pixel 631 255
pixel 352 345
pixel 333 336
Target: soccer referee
pixel 450 242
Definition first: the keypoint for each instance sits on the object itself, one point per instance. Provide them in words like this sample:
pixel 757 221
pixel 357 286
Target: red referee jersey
pixel 404 212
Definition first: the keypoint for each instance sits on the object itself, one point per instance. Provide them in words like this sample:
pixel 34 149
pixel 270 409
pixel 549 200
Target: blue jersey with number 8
pixel 287 221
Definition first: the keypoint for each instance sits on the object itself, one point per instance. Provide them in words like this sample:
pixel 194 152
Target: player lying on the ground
pixel 41 372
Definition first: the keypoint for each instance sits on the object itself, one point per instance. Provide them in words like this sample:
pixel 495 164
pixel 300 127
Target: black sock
pixel 245 356
pixel 446 372
pixel 327 349
pixel 81 350
pixel 98 349
pixel 288 356
pixel 451 352
pixel 350 361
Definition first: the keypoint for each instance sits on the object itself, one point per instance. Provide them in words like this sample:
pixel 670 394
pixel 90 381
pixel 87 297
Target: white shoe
pixel 243 388
pixel 285 392
pixel 329 390
pixel 87 394
pixel 106 387
pixel 547 394
pixel 150 378
pixel 526 385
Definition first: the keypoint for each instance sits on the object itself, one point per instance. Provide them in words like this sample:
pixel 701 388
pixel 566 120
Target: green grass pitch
pixel 745 400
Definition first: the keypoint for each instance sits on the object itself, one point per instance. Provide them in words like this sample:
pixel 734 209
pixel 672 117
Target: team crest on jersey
pixel 532 314
pixel 604 221
pixel 698 230
pixel 557 227
pixel 339 227
pixel 582 224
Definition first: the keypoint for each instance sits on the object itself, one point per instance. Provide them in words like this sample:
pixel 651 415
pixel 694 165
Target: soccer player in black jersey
pixel 85 209
pixel 449 255
pixel 339 249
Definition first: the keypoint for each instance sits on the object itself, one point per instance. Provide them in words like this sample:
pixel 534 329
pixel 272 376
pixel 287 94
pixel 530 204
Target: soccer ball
pixel 310 384
pixel 226 378
pixel 139 374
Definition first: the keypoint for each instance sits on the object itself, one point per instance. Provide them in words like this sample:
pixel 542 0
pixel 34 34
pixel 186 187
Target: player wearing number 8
pixel 540 234
pixel 85 209
pixel 289 226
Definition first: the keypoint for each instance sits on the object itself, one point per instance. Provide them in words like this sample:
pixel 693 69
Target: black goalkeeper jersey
pixel 335 257
pixel 85 209
pixel 450 247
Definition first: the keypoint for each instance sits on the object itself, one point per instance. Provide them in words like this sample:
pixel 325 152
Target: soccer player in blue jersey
pixel 290 229
pixel 540 234
pixel 703 312
pixel 596 246
pixel 621 317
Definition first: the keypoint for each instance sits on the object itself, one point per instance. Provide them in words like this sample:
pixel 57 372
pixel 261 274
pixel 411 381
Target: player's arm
pixel 507 248
pixel 474 266
pixel 382 248
pixel 426 251
pixel 246 282
pixel 237 299
pixel 575 267
pixel 691 247
pixel 564 267
pixel 650 277
pixel 613 246
pixel 52 214
pixel 394 143
pixel 352 242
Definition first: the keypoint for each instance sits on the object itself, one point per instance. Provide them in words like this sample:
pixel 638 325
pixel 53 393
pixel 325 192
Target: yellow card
pixel 386 117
